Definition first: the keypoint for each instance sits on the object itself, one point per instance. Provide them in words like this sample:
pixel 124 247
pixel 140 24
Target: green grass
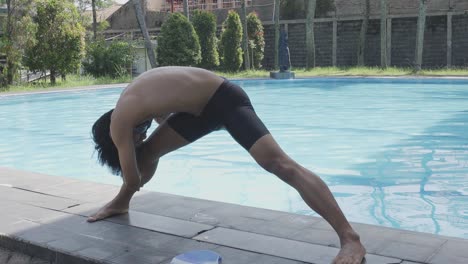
pixel 76 81
pixel 351 71
pixel 72 81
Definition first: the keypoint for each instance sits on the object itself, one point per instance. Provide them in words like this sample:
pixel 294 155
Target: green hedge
pixel 178 43
pixel 231 39
pixel 256 39
pixel 204 23
pixel 103 59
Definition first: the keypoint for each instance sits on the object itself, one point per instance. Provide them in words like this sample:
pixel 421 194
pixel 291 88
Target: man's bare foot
pixel 352 252
pixel 107 211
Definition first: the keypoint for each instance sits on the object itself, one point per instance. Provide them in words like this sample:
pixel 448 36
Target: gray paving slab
pixel 453 252
pixel 17 226
pixel 411 247
pixel 33 213
pixel 84 209
pixel 142 256
pixel 36 199
pixel 274 246
pixel 137 236
pixel 93 193
pixel 161 224
pixel 46 217
pixel 170 205
pixel 236 256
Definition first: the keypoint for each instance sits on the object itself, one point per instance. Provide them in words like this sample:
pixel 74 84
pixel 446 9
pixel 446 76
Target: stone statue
pixel 284 60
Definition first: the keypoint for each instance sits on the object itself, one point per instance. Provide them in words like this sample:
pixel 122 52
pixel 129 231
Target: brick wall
pixel 397 7
pixel 403 42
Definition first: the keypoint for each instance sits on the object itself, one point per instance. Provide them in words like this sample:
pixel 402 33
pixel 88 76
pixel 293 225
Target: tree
pixel 362 35
pixel 141 22
pixel 18 36
pixel 420 34
pixel 245 38
pixel 383 34
pixel 204 23
pixel 94 19
pixel 178 43
pixel 310 36
pixel 60 39
pixel 231 39
pixel 94 5
pixel 256 39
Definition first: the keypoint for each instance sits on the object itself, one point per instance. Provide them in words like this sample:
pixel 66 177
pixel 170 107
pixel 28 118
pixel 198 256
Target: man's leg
pixel 315 193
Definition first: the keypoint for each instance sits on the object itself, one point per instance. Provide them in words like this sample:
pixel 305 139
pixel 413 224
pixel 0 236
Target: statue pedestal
pixel 282 75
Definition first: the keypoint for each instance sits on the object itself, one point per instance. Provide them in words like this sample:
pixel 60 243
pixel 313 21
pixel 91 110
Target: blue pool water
pixel 394 152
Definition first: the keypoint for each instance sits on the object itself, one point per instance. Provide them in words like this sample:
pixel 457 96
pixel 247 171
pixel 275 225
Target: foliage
pixel 231 39
pixel 85 11
pixel 60 39
pixel 178 43
pixel 296 9
pixel 256 39
pixel 19 30
pixel 112 59
pixel 205 25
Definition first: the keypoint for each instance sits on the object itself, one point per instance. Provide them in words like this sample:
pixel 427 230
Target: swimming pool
pixel 393 151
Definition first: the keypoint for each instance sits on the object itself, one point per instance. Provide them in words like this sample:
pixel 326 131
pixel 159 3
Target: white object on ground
pixel 197 257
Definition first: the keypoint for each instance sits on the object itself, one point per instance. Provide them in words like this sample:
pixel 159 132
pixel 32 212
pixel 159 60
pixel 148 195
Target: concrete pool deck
pixel 45 216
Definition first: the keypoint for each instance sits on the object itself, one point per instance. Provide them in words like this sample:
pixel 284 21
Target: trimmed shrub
pixel 178 43
pixel 205 25
pixel 256 39
pixel 103 59
pixel 231 39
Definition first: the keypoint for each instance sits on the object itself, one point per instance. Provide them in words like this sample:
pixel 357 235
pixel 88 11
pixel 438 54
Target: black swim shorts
pixel 229 107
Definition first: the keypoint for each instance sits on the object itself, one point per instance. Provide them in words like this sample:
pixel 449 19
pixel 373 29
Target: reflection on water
pixel 394 152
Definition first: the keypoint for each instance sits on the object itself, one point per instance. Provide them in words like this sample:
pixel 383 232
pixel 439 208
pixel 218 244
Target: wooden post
pixel 245 39
pixel 383 33
pixel 389 42
pixel 449 40
pixel 420 34
pixel 277 33
pixel 334 41
pixel 186 9
pixel 362 34
pixel 310 36
pixel 144 30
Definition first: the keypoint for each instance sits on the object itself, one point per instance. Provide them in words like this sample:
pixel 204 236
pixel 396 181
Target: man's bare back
pixel 166 90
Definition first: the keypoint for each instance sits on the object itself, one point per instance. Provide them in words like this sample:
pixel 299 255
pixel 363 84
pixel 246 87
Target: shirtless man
pixel 190 103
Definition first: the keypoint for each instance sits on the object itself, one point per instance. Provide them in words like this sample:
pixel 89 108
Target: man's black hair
pixel 107 151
